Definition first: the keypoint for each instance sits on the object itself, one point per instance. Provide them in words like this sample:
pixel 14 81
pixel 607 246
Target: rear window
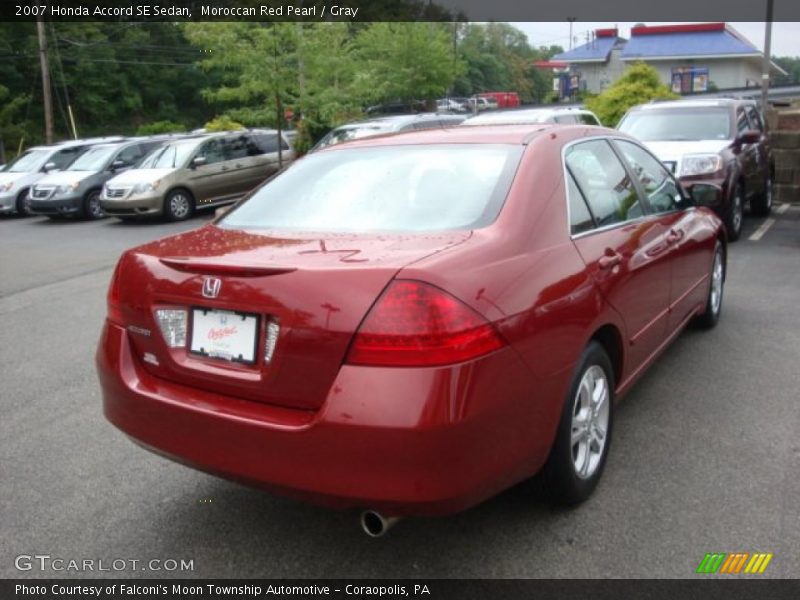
pixel 398 188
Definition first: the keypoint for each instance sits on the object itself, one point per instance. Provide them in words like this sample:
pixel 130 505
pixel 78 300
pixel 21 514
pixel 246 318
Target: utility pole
pixel 48 100
pixel 767 63
pixel 571 21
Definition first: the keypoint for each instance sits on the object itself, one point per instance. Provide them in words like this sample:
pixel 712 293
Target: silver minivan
pixel 192 173
pixel 29 167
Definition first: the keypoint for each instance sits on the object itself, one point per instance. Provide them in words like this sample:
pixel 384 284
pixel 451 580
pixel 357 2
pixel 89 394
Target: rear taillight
pixel 414 324
pixel 114 306
pixel 173 325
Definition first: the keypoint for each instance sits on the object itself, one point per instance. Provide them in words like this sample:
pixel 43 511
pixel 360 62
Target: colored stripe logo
pixel 734 563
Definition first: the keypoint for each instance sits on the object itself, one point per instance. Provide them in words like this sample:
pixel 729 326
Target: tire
pixel 762 205
pixel 579 453
pixel 22 205
pixel 716 289
pixel 733 222
pixel 178 205
pixel 91 206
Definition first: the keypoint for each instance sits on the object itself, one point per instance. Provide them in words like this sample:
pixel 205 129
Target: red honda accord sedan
pixel 413 323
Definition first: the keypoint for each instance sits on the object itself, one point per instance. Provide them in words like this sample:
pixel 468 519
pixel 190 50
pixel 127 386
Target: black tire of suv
pixel 736 207
pixel 761 206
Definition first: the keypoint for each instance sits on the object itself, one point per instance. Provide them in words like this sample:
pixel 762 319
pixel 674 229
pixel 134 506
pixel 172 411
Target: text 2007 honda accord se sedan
pixel 411 324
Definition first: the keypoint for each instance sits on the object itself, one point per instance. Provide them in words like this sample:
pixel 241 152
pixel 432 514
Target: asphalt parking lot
pixel 705 455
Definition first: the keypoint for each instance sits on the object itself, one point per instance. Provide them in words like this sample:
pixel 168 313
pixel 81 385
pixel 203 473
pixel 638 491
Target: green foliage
pixel 639 83
pixel 790 64
pixel 222 123
pixel 498 57
pixel 158 127
pixel 154 77
pixel 405 61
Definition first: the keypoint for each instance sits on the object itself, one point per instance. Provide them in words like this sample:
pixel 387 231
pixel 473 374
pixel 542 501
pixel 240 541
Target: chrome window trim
pixel 565 174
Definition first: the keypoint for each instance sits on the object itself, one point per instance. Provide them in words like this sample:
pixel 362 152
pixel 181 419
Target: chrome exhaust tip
pixel 375 524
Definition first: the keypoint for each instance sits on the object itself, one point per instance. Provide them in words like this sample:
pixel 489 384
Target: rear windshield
pixel 684 124
pixel 398 188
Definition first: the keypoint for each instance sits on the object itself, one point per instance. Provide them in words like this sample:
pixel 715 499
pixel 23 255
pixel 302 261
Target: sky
pixel 785 36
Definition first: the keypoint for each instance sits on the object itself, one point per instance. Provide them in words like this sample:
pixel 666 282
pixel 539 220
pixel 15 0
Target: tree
pixel 405 61
pixel 639 83
pixel 792 67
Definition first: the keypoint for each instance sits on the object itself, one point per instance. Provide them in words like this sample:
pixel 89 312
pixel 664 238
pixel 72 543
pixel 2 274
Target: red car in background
pixel 412 323
pixel 503 99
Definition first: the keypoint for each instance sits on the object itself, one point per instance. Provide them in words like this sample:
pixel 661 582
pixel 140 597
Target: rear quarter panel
pixel 525 275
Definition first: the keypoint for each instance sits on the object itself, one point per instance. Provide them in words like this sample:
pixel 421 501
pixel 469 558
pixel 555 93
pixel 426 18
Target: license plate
pixel 224 334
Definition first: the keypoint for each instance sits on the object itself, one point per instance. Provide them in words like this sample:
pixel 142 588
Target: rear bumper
pixel 403 441
pixel 56 206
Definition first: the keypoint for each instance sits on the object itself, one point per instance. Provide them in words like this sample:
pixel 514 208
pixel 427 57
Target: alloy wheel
pixel 717 277
pixel 737 212
pixel 590 418
pixel 179 205
pixel 95 210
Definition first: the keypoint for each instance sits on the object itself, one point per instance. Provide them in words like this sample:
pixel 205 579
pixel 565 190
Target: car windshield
pixel 385 189
pixel 30 161
pixel 94 159
pixel 345 134
pixel 687 124
pixel 170 156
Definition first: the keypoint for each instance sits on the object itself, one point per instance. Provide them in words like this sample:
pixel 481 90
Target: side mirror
pixel 706 194
pixel 118 164
pixel 198 161
pixel 49 166
pixel 750 136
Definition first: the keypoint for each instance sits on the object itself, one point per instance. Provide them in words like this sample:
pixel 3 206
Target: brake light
pixel 414 324
pixel 113 298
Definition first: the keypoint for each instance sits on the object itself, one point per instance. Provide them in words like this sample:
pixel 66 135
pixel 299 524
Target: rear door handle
pixel 239 165
pixel 674 235
pixel 610 259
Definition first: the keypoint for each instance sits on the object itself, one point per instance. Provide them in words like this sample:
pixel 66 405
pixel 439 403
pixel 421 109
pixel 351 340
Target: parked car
pixel 33 164
pixel 720 141
pixel 564 115
pixel 501 99
pixel 75 191
pixel 479 104
pixel 196 172
pixel 411 324
pixel 451 105
pixel 384 125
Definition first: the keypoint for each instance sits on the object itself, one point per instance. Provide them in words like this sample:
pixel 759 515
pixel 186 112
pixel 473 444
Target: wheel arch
pixel 610 338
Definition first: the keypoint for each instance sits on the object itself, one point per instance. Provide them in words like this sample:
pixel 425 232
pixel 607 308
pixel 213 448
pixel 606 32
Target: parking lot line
pixel 759 233
pixel 782 208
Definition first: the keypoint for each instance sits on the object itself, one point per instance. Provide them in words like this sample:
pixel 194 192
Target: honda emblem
pixel 211 287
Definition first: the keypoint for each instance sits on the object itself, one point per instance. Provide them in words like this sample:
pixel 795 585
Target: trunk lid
pixel 316 289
